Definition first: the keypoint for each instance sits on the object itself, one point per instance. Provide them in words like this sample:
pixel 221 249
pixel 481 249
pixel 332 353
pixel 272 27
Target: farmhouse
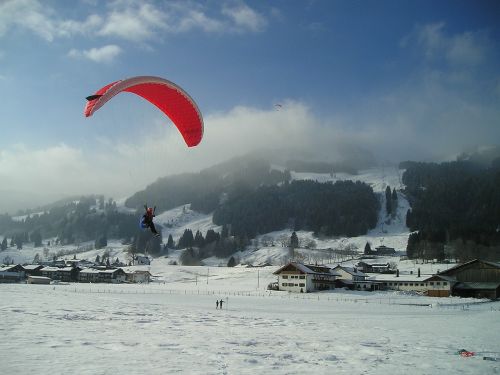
pixel 384 250
pixel 373 267
pixel 33 269
pixel 12 273
pixel 62 274
pixel 300 278
pixel 353 278
pixel 137 276
pixel 110 275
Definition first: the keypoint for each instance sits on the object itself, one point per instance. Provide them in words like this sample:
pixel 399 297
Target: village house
pixel 384 250
pixel 65 274
pixel 137 276
pixel 368 267
pixel 300 278
pixel 33 269
pixel 12 273
pixel 95 275
pixel 352 278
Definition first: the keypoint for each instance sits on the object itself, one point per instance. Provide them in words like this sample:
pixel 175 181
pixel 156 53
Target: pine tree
pixel 231 262
pixel 294 241
pixel 170 242
pixel 368 249
pixel 388 200
pixel 4 244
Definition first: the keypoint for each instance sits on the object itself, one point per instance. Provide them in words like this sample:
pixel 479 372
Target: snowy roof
pixel 89 270
pixel 492 264
pixel 309 269
pixel 351 270
pixel 401 278
pixel 31 266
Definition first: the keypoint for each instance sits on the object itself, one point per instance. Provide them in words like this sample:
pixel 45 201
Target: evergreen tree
pixel 388 200
pixel 368 249
pixel 97 259
pixel 36 259
pixel 294 241
pixel 170 242
pixel 199 241
pixel 231 262
pixel 186 240
pixel 3 246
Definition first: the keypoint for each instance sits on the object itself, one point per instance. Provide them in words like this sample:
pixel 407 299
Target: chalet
pixel 113 275
pixel 66 274
pixel 137 276
pixel 89 275
pixel 477 278
pixel 300 278
pixel 33 269
pixel 384 250
pixel 374 267
pixel 352 278
pixel 12 273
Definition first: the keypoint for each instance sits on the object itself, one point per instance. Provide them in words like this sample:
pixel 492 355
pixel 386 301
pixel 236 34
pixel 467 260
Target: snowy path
pixel 51 330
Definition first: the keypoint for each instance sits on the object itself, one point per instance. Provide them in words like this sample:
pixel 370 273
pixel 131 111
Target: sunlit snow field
pixel 175 328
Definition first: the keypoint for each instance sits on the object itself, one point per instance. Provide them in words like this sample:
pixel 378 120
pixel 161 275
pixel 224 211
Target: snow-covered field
pixel 172 326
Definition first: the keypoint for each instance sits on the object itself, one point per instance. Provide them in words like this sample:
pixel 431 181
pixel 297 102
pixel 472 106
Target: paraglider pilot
pixel 147 219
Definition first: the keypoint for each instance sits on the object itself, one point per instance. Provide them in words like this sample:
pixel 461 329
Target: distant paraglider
pixel 278 106
pixel 172 100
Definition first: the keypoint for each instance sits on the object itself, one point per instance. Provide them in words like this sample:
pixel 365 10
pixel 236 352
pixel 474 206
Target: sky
pixel 412 80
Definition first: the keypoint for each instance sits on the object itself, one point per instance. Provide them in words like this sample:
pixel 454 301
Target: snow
pixel 172 326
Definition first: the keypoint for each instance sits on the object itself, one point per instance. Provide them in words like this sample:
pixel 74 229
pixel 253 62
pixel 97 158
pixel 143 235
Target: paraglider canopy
pixel 172 100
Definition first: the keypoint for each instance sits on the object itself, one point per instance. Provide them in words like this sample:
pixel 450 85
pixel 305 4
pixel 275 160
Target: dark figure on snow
pixel 147 219
pixel 217 304
pixel 221 301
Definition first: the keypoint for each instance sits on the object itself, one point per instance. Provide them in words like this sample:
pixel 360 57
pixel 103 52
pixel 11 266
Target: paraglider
pixel 147 219
pixel 169 98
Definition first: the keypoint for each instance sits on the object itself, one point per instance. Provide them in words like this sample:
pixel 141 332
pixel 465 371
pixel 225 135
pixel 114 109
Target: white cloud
pixel 245 18
pixel 468 48
pixel 104 54
pixel 136 21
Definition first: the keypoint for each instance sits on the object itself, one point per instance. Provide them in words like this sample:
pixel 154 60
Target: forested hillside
pixel 455 209
pixel 343 208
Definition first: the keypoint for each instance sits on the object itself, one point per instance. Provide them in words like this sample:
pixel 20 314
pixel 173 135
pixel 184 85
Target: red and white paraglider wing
pixel 172 100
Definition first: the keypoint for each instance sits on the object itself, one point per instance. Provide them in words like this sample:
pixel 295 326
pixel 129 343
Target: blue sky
pixel 400 79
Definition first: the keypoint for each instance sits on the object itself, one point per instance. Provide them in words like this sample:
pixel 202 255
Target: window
pixel 302 285
pixel 285 276
pixel 411 284
pixel 302 277
pixel 283 284
pixel 431 283
pixel 406 284
pixel 438 283
pixel 445 283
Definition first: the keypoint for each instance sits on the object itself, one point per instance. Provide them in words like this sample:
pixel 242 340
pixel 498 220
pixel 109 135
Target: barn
pixel 477 278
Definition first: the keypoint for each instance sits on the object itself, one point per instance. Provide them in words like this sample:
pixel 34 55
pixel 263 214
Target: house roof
pixel 308 269
pixel 441 277
pixel 32 267
pixel 351 270
pixel 458 266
